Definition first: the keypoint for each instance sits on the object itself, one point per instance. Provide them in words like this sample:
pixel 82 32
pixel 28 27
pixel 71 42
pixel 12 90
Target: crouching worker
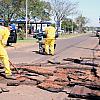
pixel 4 34
pixel 50 32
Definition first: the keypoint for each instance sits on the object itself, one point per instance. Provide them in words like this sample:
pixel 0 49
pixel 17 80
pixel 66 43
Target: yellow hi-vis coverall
pixel 4 34
pixel 50 39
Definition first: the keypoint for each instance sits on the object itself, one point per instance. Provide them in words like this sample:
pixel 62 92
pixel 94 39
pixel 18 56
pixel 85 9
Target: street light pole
pixel 26 19
pixel 72 24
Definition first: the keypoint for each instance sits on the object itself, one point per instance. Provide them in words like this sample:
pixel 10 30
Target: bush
pixel 21 35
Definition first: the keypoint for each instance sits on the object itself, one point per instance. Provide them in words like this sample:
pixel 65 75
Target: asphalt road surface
pixel 76 47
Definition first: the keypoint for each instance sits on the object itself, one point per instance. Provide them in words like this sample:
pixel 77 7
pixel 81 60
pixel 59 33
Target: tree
pixel 10 9
pixel 62 8
pixel 67 25
pixel 17 9
pixel 40 9
pixel 81 21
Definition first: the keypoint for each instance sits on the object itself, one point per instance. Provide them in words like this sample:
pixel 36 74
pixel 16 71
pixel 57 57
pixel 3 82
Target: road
pixel 73 47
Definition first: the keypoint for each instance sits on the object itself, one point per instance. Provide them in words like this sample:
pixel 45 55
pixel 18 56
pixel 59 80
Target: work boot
pixel 4 90
pixel 10 77
pixel 0 90
pixel 45 53
pixel 51 54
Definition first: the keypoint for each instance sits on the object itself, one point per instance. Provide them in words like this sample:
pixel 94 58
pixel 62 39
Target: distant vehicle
pixel 97 33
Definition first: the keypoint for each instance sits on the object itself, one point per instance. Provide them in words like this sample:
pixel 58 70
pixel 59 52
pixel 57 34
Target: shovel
pixel 14 67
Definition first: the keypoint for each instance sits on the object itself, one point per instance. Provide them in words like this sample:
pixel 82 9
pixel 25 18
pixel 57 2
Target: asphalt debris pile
pixel 83 83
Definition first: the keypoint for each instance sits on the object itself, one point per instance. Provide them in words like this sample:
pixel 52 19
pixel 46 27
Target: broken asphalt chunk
pixel 53 62
pixel 79 92
pixel 13 83
pixel 52 87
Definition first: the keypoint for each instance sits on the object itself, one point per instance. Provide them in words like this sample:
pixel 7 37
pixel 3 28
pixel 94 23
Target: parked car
pixel 97 33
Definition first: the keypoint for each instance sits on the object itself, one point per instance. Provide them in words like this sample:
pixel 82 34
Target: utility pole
pixel 72 24
pixel 26 19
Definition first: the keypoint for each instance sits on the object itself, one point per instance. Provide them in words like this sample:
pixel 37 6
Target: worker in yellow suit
pixel 50 32
pixel 4 34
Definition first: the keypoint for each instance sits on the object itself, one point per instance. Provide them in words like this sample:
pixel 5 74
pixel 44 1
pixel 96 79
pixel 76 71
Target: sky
pixel 91 10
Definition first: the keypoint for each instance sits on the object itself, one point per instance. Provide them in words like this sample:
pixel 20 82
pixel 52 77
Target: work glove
pixel 4 43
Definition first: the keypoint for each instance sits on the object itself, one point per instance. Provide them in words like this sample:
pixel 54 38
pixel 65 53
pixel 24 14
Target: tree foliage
pixel 67 25
pixel 10 8
pixel 17 8
pixel 63 8
pixel 81 21
pixel 40 9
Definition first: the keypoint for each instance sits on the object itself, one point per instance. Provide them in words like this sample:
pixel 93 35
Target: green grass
pixel 30 40
pixel 26 40
pixel 71 35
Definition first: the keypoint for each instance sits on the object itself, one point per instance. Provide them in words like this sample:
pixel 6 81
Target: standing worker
pixel 50 32
pixel 13 35
pixel 4 34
